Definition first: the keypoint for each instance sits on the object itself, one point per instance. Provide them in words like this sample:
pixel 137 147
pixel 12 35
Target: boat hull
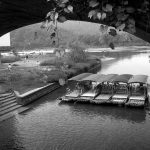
pixel 68 99
pixel 85 99
pixel 119 99
pixel 102 99
pixel 137 101
pixel 135 104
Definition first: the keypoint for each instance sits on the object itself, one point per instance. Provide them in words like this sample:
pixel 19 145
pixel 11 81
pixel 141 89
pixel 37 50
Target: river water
pixel 50 125
pixel 134 64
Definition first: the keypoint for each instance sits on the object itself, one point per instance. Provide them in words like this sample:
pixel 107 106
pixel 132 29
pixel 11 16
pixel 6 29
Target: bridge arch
pixel 18 13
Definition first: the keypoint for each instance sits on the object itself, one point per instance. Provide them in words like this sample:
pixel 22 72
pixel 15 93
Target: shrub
pixel 55 75
pixel 80 66
pixel 5 88
pixel 77 53
pixel 15 65
pixel 3 79
pixel 70 72
pixel 14 77
pixel 92 62
pixel 68 62
pixel 57 62
pixel 50 62
pixel 9 59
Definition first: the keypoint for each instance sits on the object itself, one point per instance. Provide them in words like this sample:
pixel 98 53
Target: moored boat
pixel 94 81
pixel 72 96
pixel 125 89
pixel 106 92
pixel 121 90
pixel 138 91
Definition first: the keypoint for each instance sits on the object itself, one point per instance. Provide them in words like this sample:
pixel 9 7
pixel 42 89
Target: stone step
pixel 7 103
pixel 9 110
pixel 8 106
pixel 7 100
pixel 6 97
pixel 5 94
pixel 13 113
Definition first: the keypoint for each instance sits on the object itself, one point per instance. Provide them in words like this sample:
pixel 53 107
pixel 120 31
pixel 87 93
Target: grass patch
pixel 80 66
pixel 70 72
pixel 50 62
pixel 10 59
pixel 26 78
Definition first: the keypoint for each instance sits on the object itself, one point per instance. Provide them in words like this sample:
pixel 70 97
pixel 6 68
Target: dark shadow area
pixel 115 112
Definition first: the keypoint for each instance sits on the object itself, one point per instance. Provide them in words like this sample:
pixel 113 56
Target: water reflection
pixel 9 136
pixel 113 112
pixel 51 125
pixel 137 64
pixel 43 101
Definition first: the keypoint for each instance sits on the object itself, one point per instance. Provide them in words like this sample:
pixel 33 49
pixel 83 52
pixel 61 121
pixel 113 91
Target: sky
pixel 5 40
pixel 80 27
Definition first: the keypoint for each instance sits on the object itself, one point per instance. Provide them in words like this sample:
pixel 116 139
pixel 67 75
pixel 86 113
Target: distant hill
pixel 85 33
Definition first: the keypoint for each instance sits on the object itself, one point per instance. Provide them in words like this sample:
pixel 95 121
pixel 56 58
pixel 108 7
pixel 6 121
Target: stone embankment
pixel 10 103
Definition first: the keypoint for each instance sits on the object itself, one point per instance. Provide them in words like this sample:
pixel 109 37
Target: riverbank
pixel 76 123
pixel 40 126
pixel 28 74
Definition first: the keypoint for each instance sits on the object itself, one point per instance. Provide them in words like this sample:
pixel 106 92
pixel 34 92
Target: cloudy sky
pixel 5 40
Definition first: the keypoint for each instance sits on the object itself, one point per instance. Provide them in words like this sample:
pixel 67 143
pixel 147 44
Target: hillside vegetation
pixel 34 37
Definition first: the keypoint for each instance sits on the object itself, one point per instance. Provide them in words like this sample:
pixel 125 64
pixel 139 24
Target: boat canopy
pixel 122 78
pixel 108 78
pixel 80 76
pixel 138 79
pixel 125 78
pixel 94 77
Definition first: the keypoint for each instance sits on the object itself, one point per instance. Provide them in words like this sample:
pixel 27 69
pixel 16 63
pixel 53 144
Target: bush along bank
pixel 58 77
pixel 67 71
pixel 53 71
pixel 68 64
pixel 25 79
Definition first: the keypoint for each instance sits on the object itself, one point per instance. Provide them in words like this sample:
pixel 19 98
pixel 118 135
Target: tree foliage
pixel 77 53
pixel 24 38
pixel 119 14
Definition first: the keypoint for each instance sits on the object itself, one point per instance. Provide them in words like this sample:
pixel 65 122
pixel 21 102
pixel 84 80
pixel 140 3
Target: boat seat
pixel 73 94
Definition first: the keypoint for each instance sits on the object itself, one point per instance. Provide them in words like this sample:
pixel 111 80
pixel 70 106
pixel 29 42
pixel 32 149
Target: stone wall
pixel 28 97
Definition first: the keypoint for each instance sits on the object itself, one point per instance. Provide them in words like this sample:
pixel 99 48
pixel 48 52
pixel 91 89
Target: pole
pixel 0 58
pixel 9 70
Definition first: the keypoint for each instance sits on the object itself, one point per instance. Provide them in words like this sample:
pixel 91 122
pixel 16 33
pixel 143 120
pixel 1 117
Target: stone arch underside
pixel 18 13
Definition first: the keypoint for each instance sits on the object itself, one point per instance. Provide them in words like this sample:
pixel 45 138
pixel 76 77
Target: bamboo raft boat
pixel 106 91
pixel 72 96
pixel 138 91
pixel 121 89
pixel 109 89
pixel 95 85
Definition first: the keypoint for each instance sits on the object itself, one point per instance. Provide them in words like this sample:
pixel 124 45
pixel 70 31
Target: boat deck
pixel 73 94
pixel 112 89
pixel 102 98
pixel 89 94
pixel 136 101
